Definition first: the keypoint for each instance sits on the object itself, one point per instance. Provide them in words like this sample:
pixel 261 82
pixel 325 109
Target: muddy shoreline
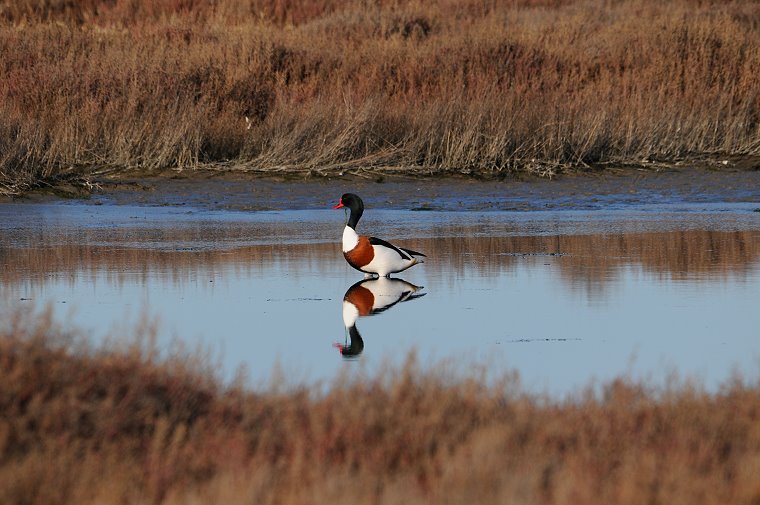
pixel 610 189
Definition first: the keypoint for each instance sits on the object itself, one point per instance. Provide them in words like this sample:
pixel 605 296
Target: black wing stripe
pixel 413 253
pixel 379 241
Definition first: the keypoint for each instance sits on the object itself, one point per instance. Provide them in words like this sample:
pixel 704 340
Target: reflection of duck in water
pixel 369 254
pixel 370 297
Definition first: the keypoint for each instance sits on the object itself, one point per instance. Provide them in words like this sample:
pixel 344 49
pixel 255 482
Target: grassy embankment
pixel 86 426
pixel 475 87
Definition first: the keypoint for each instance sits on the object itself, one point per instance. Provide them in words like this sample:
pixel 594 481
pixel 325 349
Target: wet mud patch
pixel 611 189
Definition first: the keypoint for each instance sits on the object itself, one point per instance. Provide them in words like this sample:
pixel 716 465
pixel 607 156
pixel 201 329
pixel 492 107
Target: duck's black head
pixel 355 348
pixel 355 204
pixel 351 201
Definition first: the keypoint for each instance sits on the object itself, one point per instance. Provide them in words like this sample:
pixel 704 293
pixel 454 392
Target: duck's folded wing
pixel 404 253
pixel 413 253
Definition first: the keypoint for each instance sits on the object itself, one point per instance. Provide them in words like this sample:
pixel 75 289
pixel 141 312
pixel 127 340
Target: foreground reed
pixel 81 425
pixel 475 87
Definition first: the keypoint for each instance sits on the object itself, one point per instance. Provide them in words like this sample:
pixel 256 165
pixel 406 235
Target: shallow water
pixel 564 297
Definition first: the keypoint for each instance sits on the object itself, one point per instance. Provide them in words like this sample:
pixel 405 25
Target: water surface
pixel 564 297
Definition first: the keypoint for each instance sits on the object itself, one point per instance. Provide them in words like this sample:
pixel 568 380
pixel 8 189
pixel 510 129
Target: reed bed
pixel 132 425
pixel 479 87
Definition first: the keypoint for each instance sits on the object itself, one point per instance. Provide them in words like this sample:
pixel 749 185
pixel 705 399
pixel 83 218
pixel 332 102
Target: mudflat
pixel 611 189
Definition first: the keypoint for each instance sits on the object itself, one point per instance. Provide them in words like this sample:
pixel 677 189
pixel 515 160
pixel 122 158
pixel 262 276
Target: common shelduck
pixel 369 297
pixel 369 254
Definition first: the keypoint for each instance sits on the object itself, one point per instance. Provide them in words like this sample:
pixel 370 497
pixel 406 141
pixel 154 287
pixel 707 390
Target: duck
pixel 369 297
pixel 372 255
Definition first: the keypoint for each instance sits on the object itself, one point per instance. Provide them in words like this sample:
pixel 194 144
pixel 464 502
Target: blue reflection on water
pixel 523 315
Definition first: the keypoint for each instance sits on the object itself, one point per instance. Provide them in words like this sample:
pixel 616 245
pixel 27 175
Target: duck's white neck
pixel 350 314
pixel 350 238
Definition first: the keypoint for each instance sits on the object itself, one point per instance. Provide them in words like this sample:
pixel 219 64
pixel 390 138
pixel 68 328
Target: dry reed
pixel 81 425
pixel 323 87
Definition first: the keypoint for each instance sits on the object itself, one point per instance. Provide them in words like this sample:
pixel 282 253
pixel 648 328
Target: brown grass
pixel 126 426
pixel 476 87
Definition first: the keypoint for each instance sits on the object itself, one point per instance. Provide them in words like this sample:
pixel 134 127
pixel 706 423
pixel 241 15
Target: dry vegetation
pixel 86 426
pixel 477 86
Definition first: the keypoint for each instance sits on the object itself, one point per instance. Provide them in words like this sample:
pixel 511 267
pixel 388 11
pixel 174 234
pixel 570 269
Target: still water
pixel 565 298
